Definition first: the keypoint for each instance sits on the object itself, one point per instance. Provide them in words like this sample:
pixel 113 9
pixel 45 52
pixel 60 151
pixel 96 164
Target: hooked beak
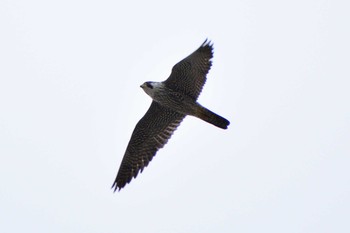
pixel 142 86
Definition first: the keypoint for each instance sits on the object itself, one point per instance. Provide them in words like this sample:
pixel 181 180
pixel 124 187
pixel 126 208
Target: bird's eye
pixel 149 85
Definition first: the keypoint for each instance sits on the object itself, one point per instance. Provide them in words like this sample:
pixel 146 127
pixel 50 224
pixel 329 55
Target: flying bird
pixel 173 99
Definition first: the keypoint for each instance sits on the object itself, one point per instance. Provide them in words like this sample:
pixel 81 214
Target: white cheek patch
pixel 156 84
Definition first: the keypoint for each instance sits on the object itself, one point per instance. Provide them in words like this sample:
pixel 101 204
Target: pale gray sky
pixel 70 73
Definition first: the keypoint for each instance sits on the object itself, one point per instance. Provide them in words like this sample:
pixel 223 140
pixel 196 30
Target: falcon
pixel 172 100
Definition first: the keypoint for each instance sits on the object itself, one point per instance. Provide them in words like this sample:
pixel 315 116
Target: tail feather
pixel 212 118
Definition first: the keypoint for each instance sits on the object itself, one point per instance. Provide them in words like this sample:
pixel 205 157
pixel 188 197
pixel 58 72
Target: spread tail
pixel 212 118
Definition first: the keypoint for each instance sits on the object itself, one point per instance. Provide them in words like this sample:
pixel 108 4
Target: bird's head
pixel 149 87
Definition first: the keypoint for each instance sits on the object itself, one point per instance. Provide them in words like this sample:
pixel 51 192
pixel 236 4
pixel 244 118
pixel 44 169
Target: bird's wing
pixel 151 133
pixel 189 75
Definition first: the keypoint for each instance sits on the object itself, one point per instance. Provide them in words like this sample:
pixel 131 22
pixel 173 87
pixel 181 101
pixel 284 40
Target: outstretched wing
pixel 189 75
pixel 151 133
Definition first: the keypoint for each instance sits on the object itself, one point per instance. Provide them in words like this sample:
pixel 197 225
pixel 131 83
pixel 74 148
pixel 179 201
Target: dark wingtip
pixel 206 43
pixel 116 187
pixel 207 47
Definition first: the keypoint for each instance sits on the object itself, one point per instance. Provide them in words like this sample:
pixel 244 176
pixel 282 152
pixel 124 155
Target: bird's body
pixel 181 103
pixel 173 99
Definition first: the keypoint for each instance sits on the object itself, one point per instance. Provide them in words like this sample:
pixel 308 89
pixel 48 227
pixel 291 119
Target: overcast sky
pixel 70 73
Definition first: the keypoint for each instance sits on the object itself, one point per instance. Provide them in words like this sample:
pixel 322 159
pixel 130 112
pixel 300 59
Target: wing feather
pixel 189 75
pixel 151 133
